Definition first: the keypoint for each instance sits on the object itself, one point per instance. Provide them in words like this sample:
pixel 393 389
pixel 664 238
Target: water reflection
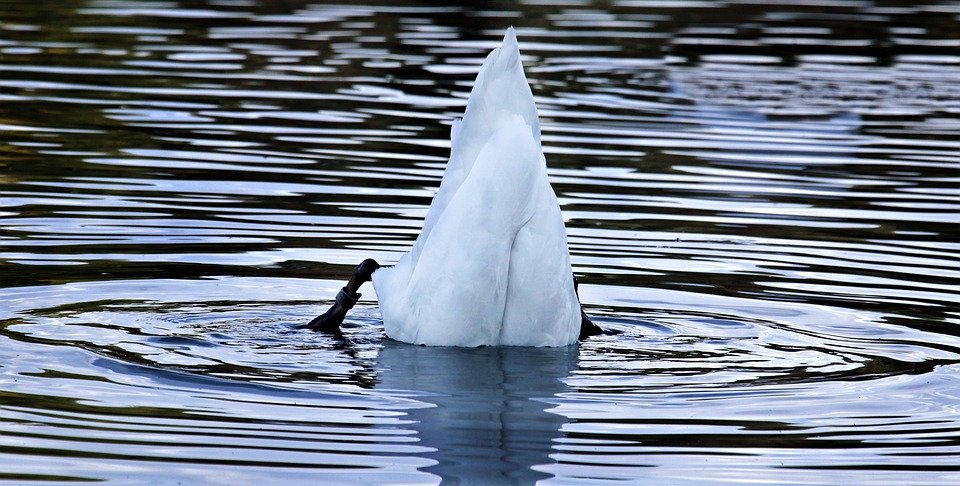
pixel 489 421
pixel 760 197
pixel 460 414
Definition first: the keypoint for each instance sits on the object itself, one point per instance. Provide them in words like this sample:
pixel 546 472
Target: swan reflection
pixel 489 419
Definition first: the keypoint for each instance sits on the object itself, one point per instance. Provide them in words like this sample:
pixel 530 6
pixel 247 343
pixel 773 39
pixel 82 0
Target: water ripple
pixel 761 204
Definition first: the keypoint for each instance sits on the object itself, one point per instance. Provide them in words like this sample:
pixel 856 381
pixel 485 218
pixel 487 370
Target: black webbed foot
pixel 587 327
pixel 364 271
pixel 348 296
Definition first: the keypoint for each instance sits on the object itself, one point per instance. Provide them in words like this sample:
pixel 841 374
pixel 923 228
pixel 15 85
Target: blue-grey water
pixel 762 200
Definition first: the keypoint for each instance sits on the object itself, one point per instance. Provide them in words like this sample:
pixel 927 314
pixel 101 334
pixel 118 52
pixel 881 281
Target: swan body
pixel 491 265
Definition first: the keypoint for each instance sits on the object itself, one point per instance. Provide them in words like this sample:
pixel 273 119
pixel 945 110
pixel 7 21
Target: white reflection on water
pixel 489 419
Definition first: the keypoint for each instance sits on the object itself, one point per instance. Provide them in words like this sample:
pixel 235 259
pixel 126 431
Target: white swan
pixel 491 265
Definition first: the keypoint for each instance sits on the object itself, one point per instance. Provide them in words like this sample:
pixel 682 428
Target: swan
pixel 491 265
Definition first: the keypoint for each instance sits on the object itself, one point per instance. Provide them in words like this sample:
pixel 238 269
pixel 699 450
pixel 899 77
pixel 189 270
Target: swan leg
pixel 348 296
pixel 587 327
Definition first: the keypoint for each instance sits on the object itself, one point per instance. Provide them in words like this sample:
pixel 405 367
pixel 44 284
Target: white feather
pixel 491 265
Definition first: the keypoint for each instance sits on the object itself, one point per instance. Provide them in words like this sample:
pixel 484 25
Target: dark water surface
pixel 762 198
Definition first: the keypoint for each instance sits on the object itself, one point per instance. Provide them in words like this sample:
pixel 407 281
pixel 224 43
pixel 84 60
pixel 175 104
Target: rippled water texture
pixel 761 197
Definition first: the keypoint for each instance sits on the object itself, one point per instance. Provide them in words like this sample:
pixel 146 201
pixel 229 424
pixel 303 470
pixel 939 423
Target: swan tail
pixel 499 95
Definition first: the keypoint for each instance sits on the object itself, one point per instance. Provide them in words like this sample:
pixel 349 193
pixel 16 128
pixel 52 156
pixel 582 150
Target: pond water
pixel 761 198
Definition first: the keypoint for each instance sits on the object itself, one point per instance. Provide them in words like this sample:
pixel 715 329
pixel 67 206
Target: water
pixel 761 199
